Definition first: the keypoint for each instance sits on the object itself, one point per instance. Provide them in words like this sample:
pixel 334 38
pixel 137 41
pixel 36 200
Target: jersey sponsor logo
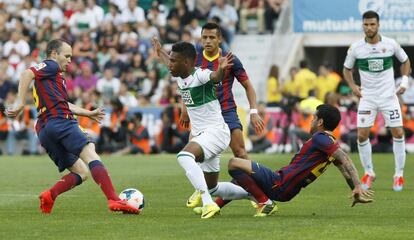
pixel 375 65
pixel 186 97
pixel 364 112
pixel 40 66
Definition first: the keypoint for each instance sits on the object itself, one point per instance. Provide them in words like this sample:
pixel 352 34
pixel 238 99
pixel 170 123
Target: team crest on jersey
pixel 40 66
pixel 186 97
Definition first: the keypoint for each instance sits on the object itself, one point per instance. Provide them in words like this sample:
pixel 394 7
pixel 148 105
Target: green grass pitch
pixel 321 211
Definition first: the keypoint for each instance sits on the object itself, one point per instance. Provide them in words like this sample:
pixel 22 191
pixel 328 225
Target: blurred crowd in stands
pixel 115 66
pixel 113 62
pixel 298 97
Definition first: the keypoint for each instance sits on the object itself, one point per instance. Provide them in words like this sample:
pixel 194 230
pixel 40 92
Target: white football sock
pixel 229 191
pixel 398 147
pixel 195 175
pixel 365 155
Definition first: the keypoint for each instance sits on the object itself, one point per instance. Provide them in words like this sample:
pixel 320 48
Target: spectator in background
pixel 86 81
pixel 301 131
pixel 202 8
pixel 114 136
pixel 108 86
pixel 83 20
pixel 173 31
pixel 4 126
pixel 126 33
pixel 44 34
pixel 117 66
pixel 126 97
pixel 22 127
pixel 170 139
pixel 25 64
pixel 50 10
pixel 156 18
pixel 274 90
pixel 108 36
pixel 133 14
pixel 29 15
pixel 113 15
pixel 138 67
pixel 85 49
pixel 272 12
pixel 195 30
pixel 289 85
pixel 5 86
pixel 180 11
pixel 147 31
pixel 15 49
pixel 252 8
pixel 326 82
pixel 7 71
pixel 263 140
pixel 139 141
pixel 4 32
pixel 91 127
pixel 228 17
pixel 96 11
pixel 305 80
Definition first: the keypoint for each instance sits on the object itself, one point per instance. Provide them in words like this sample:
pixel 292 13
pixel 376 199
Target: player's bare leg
pixel 241 170
pixel 398 148
pixel 101 177
pixel 365 155
pixel 237 144
pixel 78 174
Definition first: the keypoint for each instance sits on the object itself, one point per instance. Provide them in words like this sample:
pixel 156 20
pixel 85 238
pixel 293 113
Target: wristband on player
pixel 253 111
pixel 404 82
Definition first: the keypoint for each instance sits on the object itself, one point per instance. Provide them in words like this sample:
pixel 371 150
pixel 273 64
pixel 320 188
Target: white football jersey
pixel 198 93
pixel 375 65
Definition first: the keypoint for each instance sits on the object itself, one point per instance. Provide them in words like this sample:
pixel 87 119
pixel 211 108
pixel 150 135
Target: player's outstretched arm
pixel 96 115
pixel 24 84
pixel 224 63
pixel 348 170
pixel 161 53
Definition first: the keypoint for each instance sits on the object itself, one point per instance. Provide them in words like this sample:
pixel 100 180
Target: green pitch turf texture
pixel 321 211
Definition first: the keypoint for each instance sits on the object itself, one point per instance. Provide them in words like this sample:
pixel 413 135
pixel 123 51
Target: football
pixel 134 197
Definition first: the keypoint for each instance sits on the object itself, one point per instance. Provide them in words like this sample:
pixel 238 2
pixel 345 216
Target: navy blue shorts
pixel 232 119
pixel 268 180
pixel 63 140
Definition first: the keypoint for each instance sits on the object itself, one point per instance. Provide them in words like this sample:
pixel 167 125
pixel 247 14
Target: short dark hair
pixel 211 26
pixel 56 45
pixel 186 49
pixel 330 116
pixel 138 116
pixel 303 64
pixel 370 14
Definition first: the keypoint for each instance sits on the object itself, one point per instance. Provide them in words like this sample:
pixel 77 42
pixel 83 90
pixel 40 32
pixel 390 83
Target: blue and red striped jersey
pixel 49 92
pixel 308 164
pixel 224 88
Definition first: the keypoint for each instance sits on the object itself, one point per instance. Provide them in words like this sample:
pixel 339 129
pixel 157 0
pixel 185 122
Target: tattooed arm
pixel 348 170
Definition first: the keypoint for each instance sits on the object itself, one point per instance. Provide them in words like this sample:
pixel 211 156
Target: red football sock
pixel 101 177
pixel 221 203
pixel 66 183
pixel 247 182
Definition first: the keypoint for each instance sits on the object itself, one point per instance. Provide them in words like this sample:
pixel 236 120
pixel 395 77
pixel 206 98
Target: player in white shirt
pixel 373 57
pixel 210 134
